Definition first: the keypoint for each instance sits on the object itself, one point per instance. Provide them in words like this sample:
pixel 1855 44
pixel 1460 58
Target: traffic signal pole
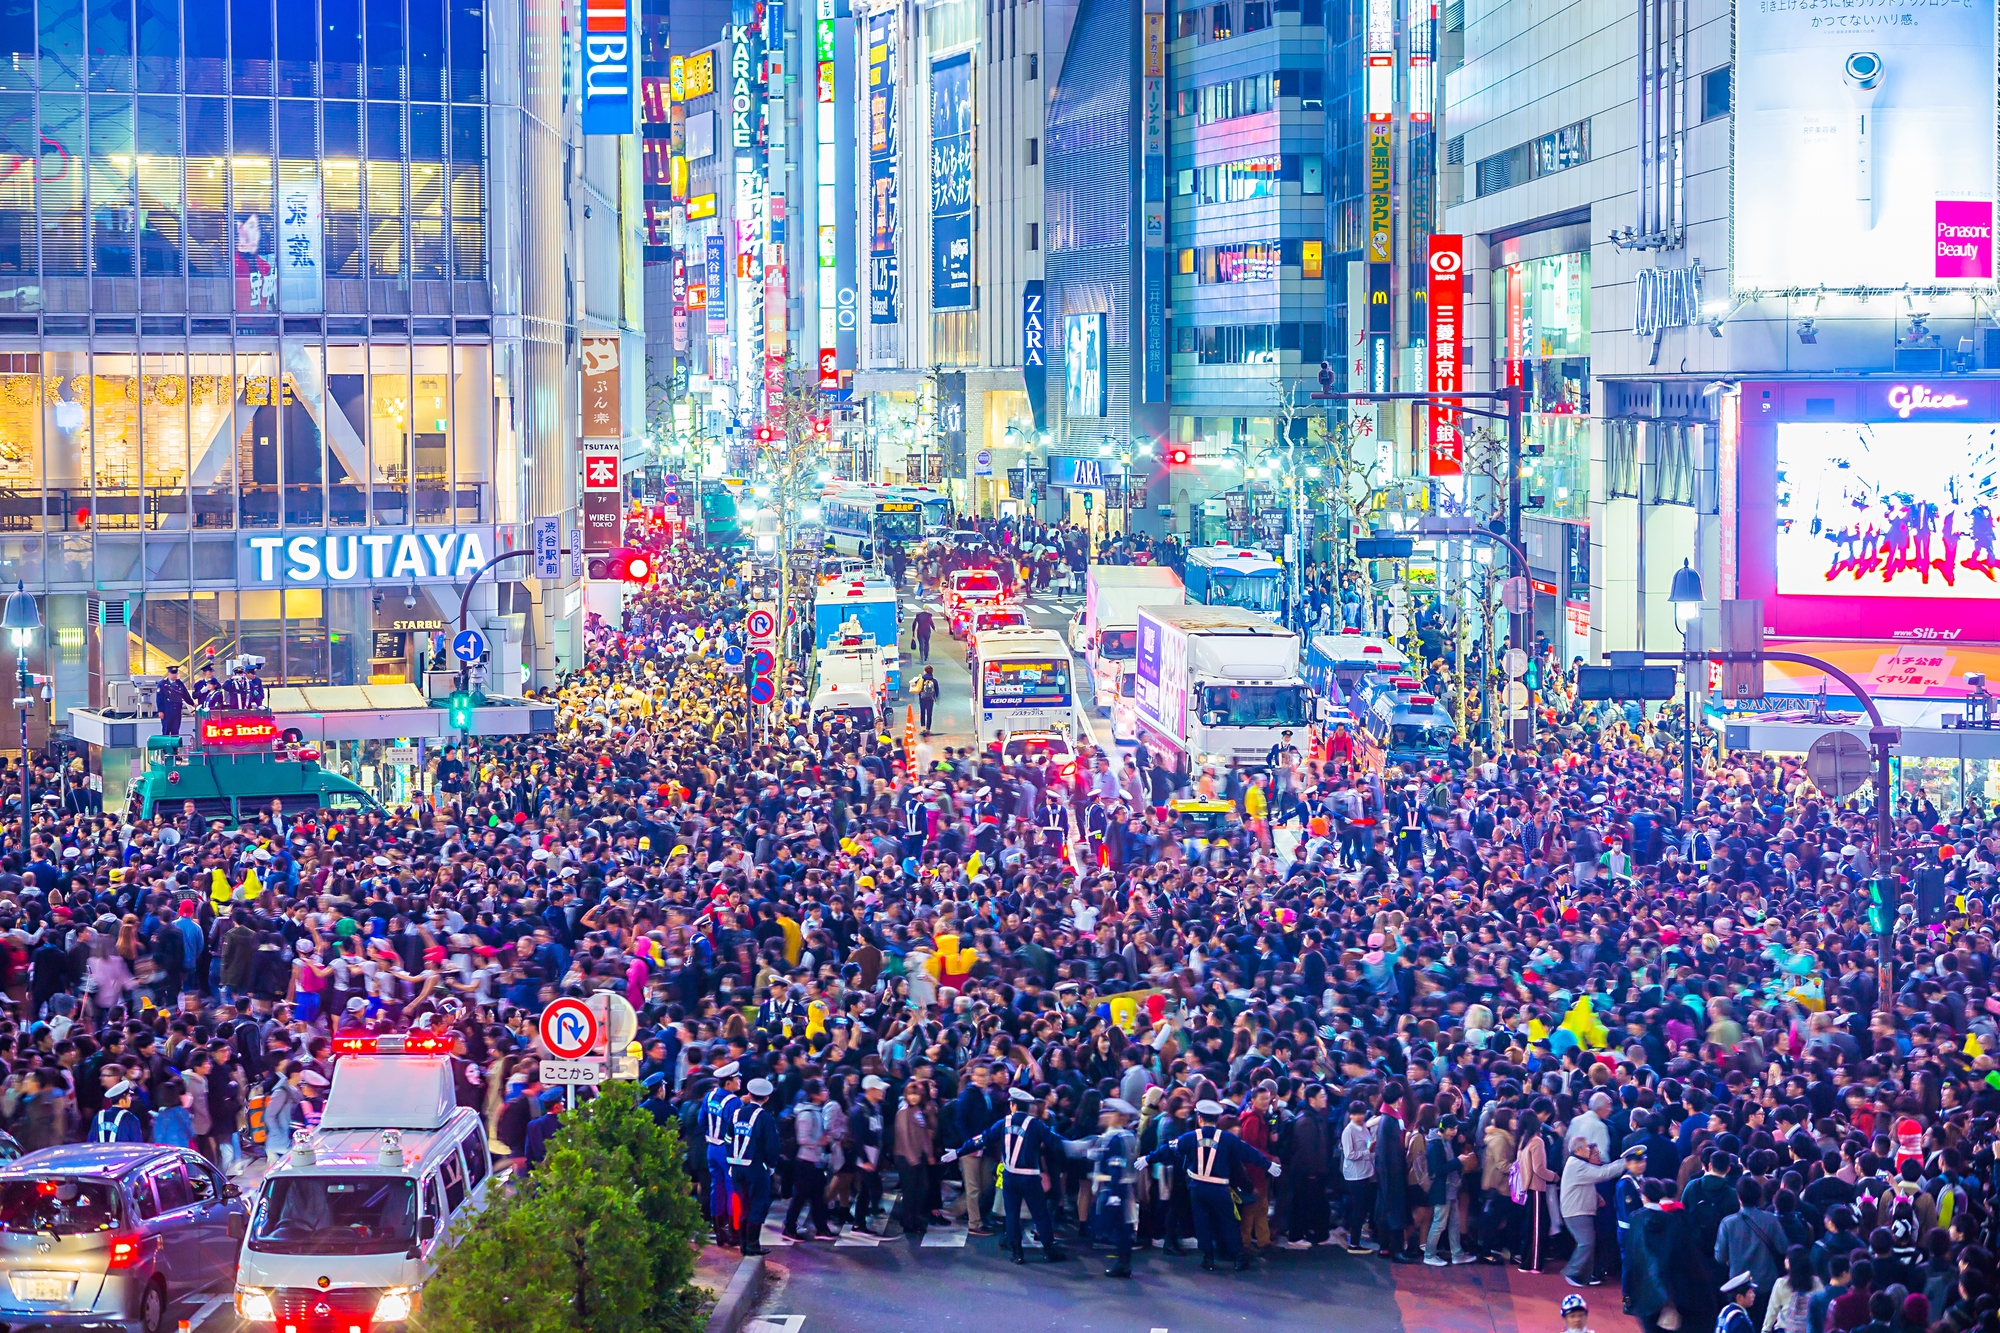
pixel 1881 738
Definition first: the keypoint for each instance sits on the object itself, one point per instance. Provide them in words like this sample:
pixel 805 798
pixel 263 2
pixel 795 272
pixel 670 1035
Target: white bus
pixel 1024 682
pixel 865 523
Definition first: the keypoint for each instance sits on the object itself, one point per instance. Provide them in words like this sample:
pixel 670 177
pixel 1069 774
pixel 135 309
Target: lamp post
pixel 21 619
pixel 1686 597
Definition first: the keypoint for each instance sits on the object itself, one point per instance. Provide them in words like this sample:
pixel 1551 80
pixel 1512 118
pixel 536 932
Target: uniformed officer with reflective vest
pixel 1054 820
pixel 753 1156
pixel 718 1120
pixel 1209 1155
pixel 1114 1171
pixel 1018 1142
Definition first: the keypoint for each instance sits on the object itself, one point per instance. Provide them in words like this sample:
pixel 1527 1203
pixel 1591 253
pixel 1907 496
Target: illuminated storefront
pixel 1541 308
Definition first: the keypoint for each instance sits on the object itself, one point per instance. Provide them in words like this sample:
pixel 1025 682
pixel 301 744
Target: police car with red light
pixel 348 1225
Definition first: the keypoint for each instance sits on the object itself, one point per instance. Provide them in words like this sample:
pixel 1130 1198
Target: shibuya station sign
pixel 291 559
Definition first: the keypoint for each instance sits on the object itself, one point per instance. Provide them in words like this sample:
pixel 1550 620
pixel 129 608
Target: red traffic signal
pixel 1179 455
pixel 630 565
pixel 765 435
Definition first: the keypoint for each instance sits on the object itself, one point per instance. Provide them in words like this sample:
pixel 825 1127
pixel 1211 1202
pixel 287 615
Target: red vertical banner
pixel 1447 313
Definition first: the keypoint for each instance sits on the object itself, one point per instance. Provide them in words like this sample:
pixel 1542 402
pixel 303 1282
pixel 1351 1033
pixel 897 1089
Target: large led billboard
pixel 1865 507
pixel 1864 145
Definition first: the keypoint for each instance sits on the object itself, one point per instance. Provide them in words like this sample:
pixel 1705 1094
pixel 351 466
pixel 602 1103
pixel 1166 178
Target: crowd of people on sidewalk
pixel 1524 1009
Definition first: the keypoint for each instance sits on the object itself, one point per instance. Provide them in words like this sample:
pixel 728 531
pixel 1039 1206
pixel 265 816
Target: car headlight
pixel 254 1303
pixel 396 1303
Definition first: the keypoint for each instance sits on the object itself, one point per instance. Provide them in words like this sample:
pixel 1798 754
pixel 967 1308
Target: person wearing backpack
pixel 1708 1199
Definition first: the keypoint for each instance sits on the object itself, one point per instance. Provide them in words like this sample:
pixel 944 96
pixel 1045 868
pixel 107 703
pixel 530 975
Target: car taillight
pixel 124 1251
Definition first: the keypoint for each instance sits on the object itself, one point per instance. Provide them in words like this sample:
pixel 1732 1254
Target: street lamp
pixel 21 620
pixel 1685 596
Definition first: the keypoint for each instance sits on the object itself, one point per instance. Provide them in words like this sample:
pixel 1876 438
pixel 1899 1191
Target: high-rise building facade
pixel 292 300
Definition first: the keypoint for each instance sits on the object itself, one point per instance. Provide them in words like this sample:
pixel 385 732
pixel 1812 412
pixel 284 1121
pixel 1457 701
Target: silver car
pixel 108 1235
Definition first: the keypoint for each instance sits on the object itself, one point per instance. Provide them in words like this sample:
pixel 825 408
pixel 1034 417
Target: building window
pixel 1312 174
pixel 1715 90
pixel 1558 150
pixel 1034 235
pixel 1254 18
pixel 1034 67
pixel 1312 262
pixel 1189 24
pixel 1251 344
pixel 1219 26
pixel 1621 460
pixel 1034 151
pixel 1232 182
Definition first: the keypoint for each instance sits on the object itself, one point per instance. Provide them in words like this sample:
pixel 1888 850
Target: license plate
pixel 44 1288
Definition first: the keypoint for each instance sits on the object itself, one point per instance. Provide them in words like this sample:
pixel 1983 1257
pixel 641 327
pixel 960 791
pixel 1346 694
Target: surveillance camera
pixel 410 601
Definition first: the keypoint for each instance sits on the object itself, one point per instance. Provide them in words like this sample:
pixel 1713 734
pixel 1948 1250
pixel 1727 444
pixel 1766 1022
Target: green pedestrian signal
pixel 1532 678
pixel 460 709
pixel 1881 907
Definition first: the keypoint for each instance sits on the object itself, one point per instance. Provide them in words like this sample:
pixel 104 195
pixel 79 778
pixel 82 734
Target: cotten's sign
pixel 365 557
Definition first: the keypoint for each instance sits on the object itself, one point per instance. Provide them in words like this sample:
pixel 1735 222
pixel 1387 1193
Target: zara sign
pixel 280 559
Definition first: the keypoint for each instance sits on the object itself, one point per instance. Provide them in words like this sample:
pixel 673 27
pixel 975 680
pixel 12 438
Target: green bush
pixel 600 1239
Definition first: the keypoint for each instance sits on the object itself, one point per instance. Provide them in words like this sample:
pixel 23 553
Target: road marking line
pixel 776 1323
pixel 942 1238
pixel 857 1240
pixel 200 1316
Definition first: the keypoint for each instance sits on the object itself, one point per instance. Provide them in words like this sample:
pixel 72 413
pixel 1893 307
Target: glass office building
pixel 246 291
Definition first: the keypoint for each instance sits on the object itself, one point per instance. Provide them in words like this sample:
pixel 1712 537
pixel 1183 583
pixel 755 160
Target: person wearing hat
pixel 658 1099
pixel 170 696
pixel 718 1122
pixel 1018 1142
pixel 1209 1155
pixel 117 1122
pixel 1575 1313
pixel 753 1156
pixel 1114 1173
pixel 207 689
pixel 1740 1293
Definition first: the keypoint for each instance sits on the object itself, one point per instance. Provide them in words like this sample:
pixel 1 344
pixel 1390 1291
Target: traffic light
pixel 1881 906
pixel 765 434
pixel 1179 455
pixel 460 710
pixel 822 430
pixel 629 565
pixel 1533 677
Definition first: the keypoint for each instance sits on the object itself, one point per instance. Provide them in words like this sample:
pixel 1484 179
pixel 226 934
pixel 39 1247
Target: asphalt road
pixel 898 1285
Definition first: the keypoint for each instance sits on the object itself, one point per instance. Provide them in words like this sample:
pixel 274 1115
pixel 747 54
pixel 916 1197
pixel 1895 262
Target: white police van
pixel 349 1224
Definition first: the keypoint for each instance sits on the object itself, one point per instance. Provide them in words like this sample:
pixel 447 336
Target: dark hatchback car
pixel 107 1235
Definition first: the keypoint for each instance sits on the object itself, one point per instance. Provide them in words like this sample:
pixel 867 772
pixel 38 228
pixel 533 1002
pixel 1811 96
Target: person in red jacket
pixel 1254 1127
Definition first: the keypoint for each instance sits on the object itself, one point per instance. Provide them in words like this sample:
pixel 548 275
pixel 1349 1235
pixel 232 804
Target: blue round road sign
pixel 732 655
pixel 469 645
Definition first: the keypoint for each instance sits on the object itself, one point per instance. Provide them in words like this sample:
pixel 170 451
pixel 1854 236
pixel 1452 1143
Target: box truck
pixel 1216 685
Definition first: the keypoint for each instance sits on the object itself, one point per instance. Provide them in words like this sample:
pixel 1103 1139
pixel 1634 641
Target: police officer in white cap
pixel 1114 1171
pixel 718 1121
pixel 1210 1155
pixel 1735 1317
pixel 117 1122
pixel 753 1155
pixel 1017 1142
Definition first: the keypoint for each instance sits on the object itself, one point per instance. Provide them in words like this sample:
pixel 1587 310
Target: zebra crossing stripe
pixel 944 1238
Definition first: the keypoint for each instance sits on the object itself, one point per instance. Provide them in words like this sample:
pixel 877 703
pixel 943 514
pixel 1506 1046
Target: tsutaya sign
pixel 365 557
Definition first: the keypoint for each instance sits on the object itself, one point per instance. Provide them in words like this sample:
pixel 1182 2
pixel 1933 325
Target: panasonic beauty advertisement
pixel 1864 144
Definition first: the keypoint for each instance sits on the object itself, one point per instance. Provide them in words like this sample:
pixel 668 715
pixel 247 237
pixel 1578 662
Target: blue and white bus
pixel 1229 575
pixel 1024 683
pixel 866 522
pixel 935 503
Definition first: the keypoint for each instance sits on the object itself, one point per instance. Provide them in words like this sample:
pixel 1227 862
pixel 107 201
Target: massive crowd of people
pixel 1529 1010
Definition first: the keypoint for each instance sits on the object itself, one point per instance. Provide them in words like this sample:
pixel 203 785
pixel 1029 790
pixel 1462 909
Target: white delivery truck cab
pixel 1106 631
pixel 348 1225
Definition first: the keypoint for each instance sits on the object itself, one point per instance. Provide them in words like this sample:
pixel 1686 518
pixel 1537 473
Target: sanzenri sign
pixel 364 556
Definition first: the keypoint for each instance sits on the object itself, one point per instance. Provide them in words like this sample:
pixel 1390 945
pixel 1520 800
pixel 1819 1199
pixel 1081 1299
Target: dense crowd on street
pixel 1527 1009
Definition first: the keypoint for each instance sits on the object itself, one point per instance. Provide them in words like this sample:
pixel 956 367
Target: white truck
pixel 851 675
pixel 1107 628
pixel 1216 685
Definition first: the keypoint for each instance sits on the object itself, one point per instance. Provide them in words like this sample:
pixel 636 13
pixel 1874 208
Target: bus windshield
pixel 1415 736
pixel 899 520
pixel 1118 643
pixel 1025 683
pixel 1253 706
pixel 1252 592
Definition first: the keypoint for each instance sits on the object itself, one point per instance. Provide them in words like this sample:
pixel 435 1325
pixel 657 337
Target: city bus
pixel 1230 575
pixel 866 522
pixel 935 504
pixel 1024 683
